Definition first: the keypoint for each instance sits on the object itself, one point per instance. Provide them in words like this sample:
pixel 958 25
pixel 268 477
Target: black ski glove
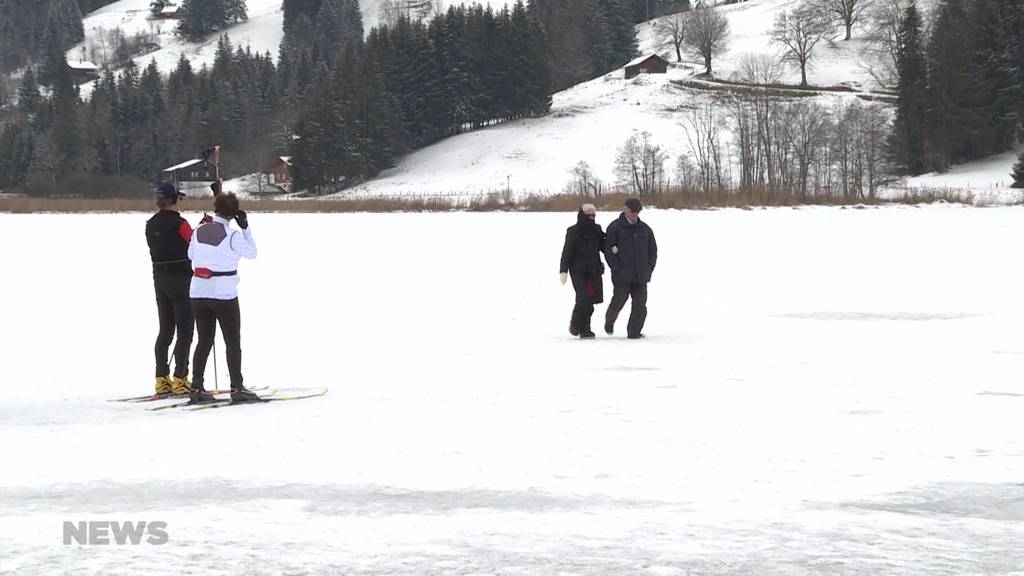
pixel 242 219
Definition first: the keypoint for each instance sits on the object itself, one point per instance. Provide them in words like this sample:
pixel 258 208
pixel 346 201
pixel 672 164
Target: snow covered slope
pixel 262 32
pixel 591 120
pixel 989 177
pixel 750 24
pixel 587 122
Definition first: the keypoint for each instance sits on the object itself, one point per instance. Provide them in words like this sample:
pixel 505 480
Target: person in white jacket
pixel 215 251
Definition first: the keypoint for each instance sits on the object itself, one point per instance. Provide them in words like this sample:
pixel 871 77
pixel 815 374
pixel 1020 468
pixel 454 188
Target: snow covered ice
pixel 822 391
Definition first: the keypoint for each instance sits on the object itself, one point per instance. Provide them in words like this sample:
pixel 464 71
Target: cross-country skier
pixel 581 259
pixel 215 251
pixel 168 236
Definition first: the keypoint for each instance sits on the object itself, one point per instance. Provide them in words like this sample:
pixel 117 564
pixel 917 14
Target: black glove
pixel 242 219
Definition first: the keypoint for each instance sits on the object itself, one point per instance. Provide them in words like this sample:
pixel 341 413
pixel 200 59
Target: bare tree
pixel 673 27
pixel 706 33
pixel 810 120
pixel 799 31
pixel 687 176
pixel 703 125
pixel 760 112
pixel 584 182
pixel 391 11
pixel 883 50
pixel 846 12
pixel 640 164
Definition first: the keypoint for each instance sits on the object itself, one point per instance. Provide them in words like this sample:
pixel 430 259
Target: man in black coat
pixel 631 253
pixel 581 260
pixel 168 235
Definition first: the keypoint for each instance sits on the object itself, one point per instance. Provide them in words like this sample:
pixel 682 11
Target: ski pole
pixel 216 383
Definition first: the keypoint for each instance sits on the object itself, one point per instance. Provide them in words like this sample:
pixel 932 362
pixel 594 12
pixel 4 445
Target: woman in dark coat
pixel 581 260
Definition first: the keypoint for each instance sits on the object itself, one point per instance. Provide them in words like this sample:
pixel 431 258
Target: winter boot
pixel 241 395
pixel 164 385
pixel 609 328
pixel 180 386
pixel 198 395
pixel 587 335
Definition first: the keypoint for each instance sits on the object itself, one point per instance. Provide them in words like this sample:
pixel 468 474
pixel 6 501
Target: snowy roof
pixel 83 66
pixel 169 9
pixel 183 165
pixel 642 58
pixel 286 159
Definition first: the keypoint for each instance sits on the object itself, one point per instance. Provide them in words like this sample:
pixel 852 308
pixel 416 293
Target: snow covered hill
pixel 588 122
pixel 988 178
pixel 262 32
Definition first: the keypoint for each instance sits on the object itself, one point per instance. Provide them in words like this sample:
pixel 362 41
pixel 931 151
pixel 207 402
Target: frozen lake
pixel 822 391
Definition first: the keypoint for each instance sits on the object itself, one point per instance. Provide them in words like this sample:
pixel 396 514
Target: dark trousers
pixel 638 310
pixel 209 313
pixel 175 312
pixel 589 291
pixel 580 321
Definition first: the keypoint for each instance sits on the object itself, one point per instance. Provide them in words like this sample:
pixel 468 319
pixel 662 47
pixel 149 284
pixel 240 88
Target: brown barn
pixel 82 72
pixel 650 64
pixel 192 171
pixel 169 12
pixel 279 172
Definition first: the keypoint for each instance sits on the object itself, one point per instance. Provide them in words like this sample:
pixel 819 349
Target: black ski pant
pixel 638 311
pixel 580 321
pixel 209 312
pixel 175 312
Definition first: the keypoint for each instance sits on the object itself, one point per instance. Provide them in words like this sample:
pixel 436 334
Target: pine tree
pixel 994 85
pixel 65 131
pixel 622 42
pixel 16 154
pixel 28 92
pixel 949 88
pixel 1018 172
pixel 200 17
pixel 909 125
pixel 235 11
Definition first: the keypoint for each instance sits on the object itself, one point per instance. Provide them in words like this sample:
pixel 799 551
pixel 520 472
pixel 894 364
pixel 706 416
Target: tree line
pixel 960 95
pixel 343 105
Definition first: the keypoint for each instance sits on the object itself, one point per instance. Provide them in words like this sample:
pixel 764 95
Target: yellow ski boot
pixel 163 385
pixel 181 386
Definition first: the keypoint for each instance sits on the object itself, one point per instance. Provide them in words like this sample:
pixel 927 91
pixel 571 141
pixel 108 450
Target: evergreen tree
pixel 28 92
pixel 16 153
pixel 909 125
pixel 65 134
pixel 1018 172
pixel 994 85
pixel 200 17
pixel 622 42
pixel 235 11
pixel 949 87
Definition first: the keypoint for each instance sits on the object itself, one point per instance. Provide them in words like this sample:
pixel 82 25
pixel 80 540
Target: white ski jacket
pixel 217 247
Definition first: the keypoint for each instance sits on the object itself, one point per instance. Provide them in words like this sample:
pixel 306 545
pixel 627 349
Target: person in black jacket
pixel 632 254
pixel 168 235
pixel 581 260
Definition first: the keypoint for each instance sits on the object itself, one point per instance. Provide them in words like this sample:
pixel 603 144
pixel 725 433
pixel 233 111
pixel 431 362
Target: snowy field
pixel 822 391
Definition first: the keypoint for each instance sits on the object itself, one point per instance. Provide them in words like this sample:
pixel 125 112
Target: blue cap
pixel 167 191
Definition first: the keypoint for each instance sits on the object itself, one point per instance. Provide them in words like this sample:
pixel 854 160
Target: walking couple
pixel 631 252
